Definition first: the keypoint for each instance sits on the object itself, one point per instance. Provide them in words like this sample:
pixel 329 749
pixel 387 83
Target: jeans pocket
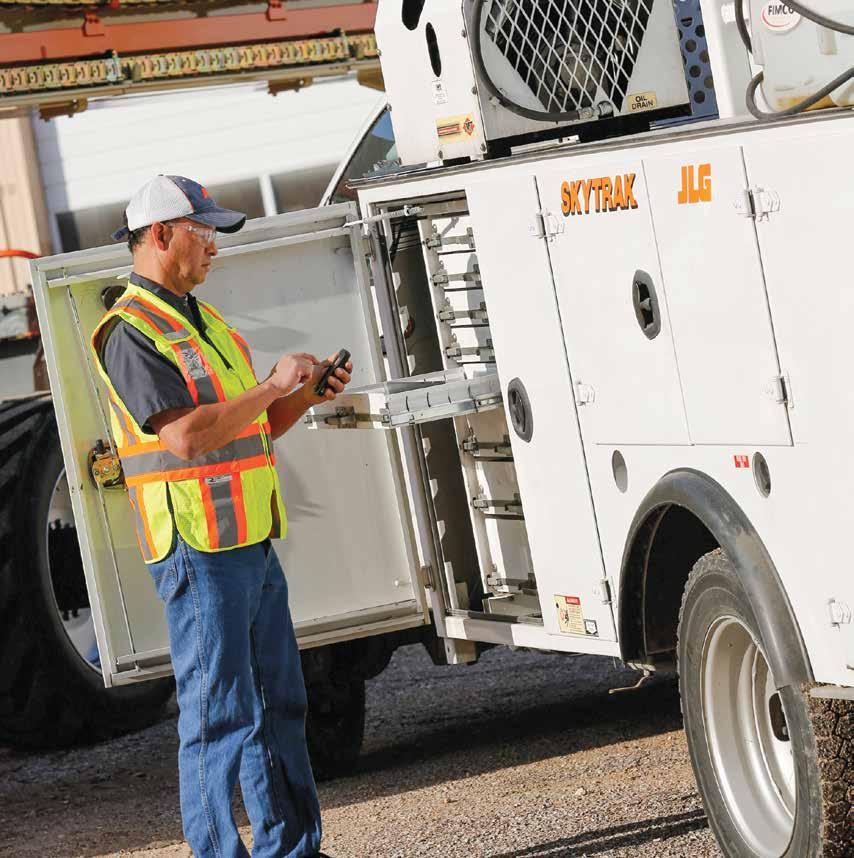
pixel 165 577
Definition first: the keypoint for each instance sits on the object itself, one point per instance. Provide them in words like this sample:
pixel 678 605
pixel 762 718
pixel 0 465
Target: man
pixel 194 431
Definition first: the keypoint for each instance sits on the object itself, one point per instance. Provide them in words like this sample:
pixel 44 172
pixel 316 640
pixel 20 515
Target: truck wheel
pixel 51 689
pixel 335 726
pixel 774 767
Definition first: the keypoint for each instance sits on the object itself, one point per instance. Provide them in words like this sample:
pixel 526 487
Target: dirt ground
pixel 523 755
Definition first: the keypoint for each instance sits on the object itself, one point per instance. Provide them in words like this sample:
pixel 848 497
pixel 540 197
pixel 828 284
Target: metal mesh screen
pixel 571 54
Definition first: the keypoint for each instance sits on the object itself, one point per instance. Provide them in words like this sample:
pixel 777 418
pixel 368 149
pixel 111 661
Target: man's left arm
pixel 288 410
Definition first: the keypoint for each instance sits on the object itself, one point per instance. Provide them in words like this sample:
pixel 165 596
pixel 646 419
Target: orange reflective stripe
pixel 243 347
pixel 239 508
pixel 139 449
pixel 155 311
pixel 178 476
pixel 207 308
pixel 138 502
pixel 210 515
pixel 141 316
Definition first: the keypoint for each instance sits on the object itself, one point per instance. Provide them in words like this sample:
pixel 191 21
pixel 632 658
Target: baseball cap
pixel 169 197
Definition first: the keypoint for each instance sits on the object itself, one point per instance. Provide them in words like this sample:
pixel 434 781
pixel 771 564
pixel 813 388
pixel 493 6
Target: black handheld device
pixel 338 363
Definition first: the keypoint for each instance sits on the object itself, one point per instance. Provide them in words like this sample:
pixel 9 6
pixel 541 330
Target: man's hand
pixel 336 384
pixel 292 370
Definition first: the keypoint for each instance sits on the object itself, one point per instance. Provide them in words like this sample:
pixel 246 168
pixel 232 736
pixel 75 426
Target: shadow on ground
pixel 426 726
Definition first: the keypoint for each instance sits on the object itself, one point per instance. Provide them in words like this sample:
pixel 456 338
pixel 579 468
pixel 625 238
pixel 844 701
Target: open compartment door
pixel 295 282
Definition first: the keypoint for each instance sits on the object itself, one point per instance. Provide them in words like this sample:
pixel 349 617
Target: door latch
pixel 105 468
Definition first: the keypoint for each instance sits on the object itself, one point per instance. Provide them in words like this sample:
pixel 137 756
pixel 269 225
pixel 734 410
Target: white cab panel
pixel 716 295
pixel 289 283
pixel 630 382
pixel 551 471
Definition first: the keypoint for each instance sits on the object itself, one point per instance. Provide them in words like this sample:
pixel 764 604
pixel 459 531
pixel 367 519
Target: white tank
pixel 798 56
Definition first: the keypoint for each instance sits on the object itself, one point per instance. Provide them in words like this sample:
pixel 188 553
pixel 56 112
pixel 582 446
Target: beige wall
pixel 23 216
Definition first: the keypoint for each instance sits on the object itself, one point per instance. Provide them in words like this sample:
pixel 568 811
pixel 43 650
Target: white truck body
pixel 752 357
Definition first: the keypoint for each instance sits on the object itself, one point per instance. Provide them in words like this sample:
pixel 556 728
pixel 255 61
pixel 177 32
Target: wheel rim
pixel 747 737
pixel 66 575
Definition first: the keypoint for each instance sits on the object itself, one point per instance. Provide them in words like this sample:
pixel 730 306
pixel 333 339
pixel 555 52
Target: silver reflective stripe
pixel 195 368
pixel 164 461
pixel 130 435
pixel 155 319
pixel 226 520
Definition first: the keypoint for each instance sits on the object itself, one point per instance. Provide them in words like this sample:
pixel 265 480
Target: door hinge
pixel 606 591
pixel 840 613
pixel 779 389
pixel 428 579
pixel 757 203
pixel 584 394
pixel 546 225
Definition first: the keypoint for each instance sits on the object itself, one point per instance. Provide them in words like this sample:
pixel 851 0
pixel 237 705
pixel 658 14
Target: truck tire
pixel 775 768
pixel 335 726
pixel 52 693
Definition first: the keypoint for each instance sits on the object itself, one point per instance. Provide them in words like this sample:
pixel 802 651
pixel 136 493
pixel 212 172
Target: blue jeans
pixel 242 702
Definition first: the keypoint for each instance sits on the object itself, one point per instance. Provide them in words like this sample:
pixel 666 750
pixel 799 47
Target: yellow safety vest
pixel 224 499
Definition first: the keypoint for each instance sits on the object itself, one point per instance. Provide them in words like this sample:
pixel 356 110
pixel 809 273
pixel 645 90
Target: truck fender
pixel 708 501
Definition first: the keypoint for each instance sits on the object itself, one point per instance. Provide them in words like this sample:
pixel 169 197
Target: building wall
pixel 255 152
pixel 23 215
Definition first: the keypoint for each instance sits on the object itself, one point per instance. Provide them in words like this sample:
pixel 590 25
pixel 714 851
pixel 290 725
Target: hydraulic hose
pixel 811 100
pixel 494 91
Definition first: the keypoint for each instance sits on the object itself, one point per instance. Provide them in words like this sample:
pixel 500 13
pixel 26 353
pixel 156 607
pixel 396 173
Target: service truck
pixel 601 393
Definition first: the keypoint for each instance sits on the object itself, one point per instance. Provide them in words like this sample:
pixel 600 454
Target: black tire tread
pixel 43 703
pixel 833 725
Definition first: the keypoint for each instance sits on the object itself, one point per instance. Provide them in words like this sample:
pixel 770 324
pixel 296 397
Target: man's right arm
pixel 192 432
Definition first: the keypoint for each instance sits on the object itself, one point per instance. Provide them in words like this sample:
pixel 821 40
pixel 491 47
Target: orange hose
pixel 24 254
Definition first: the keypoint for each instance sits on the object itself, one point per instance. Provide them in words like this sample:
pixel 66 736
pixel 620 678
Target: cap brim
pixel 225 220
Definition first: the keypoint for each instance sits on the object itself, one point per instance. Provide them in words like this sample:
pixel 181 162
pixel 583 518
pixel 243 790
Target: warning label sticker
pixel 570 620
pixel 454 129
pixel 440 94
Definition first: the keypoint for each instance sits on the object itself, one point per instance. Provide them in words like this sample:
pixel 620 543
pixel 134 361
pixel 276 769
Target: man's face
pixel 187 251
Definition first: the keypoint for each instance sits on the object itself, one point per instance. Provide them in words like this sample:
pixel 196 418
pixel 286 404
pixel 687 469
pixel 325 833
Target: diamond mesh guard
pixel 571 54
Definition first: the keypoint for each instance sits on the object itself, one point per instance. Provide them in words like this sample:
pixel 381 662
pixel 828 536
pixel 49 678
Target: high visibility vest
pixel 220 500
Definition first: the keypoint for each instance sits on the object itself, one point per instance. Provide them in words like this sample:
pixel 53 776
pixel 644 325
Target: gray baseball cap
pixel 170 197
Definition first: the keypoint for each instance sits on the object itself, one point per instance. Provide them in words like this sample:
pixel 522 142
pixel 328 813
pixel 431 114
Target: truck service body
pixel 600 406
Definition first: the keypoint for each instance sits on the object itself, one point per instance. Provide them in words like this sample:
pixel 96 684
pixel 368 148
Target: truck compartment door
pixel 715 288
pixel 540 407
pixel 612 306
pixel 295 282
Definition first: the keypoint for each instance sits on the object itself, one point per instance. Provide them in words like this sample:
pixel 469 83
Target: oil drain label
pixel 641 101
pixel 570 620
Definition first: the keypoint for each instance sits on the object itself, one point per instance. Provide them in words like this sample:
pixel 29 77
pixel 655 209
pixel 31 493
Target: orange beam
pixel 166 35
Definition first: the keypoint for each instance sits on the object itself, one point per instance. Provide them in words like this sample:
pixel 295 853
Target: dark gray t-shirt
pixel 146 381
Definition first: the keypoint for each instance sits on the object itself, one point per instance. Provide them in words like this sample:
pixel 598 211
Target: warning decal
pixel 569 617
pixel 455 129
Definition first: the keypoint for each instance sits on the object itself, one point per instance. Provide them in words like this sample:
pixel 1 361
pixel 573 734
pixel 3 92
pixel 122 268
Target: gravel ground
pixel 523 755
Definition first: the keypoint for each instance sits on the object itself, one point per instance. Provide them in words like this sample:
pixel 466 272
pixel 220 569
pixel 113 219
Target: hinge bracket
pixel 780 390
pixel 545 225
pixel 428 579
pixel 584 394
pixel 757 203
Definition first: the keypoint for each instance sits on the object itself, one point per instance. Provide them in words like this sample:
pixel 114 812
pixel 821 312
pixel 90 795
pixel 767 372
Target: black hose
pixel 816 97
pixel 817 18
pixel 492 89
pixel 795 108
